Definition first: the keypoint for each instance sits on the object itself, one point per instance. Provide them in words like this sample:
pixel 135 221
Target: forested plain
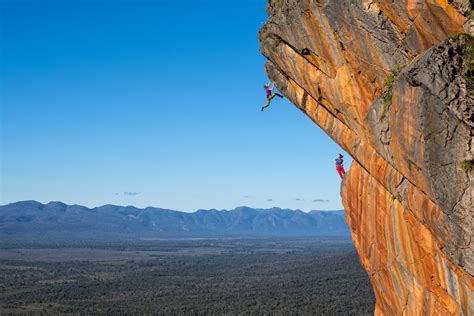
pixel 311 276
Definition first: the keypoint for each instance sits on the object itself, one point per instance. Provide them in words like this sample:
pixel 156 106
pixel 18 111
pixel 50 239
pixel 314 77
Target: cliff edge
pixel 391 82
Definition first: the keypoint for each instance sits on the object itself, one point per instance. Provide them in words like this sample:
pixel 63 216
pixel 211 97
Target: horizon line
pixel 156 207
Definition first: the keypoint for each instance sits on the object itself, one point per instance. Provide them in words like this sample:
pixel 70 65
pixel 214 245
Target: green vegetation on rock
pixel 467 164
pixel 387 91
pixel 468 54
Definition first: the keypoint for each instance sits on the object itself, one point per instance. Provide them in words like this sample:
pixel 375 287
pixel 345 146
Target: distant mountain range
pixel 31 219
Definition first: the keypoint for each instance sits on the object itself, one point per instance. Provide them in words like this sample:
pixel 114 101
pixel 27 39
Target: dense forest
pixel 192 277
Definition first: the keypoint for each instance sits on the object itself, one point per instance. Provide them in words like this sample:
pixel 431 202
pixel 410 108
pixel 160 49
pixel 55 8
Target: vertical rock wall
pixel 391 82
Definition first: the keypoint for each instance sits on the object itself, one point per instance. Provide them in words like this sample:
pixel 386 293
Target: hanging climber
pixel 340 166
pixel 270 95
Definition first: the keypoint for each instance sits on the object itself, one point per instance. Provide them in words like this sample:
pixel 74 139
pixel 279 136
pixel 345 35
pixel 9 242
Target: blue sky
pixel 151 103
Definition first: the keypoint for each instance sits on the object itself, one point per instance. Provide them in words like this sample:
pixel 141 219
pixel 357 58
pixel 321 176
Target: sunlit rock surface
pixel 391 82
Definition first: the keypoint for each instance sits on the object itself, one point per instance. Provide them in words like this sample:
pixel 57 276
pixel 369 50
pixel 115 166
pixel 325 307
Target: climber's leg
pixel 268 102
pixel 340 171
pixel 277 94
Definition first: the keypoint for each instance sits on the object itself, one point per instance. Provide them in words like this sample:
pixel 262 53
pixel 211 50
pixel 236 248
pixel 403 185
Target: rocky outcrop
pixel 391 83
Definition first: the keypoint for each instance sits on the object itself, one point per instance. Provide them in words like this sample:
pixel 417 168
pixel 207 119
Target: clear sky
pixel 151 103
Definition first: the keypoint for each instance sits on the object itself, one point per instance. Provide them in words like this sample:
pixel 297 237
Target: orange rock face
pixel 391 82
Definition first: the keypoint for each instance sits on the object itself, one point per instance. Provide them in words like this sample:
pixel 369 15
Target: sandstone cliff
pixel 391 83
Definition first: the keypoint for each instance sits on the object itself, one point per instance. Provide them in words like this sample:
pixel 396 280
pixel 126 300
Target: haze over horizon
pixel 118 103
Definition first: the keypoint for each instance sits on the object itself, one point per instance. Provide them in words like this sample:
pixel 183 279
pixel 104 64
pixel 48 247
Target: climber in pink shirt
pixel 270 95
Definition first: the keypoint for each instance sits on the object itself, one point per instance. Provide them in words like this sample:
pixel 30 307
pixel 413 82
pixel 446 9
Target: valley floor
pixel 192 277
